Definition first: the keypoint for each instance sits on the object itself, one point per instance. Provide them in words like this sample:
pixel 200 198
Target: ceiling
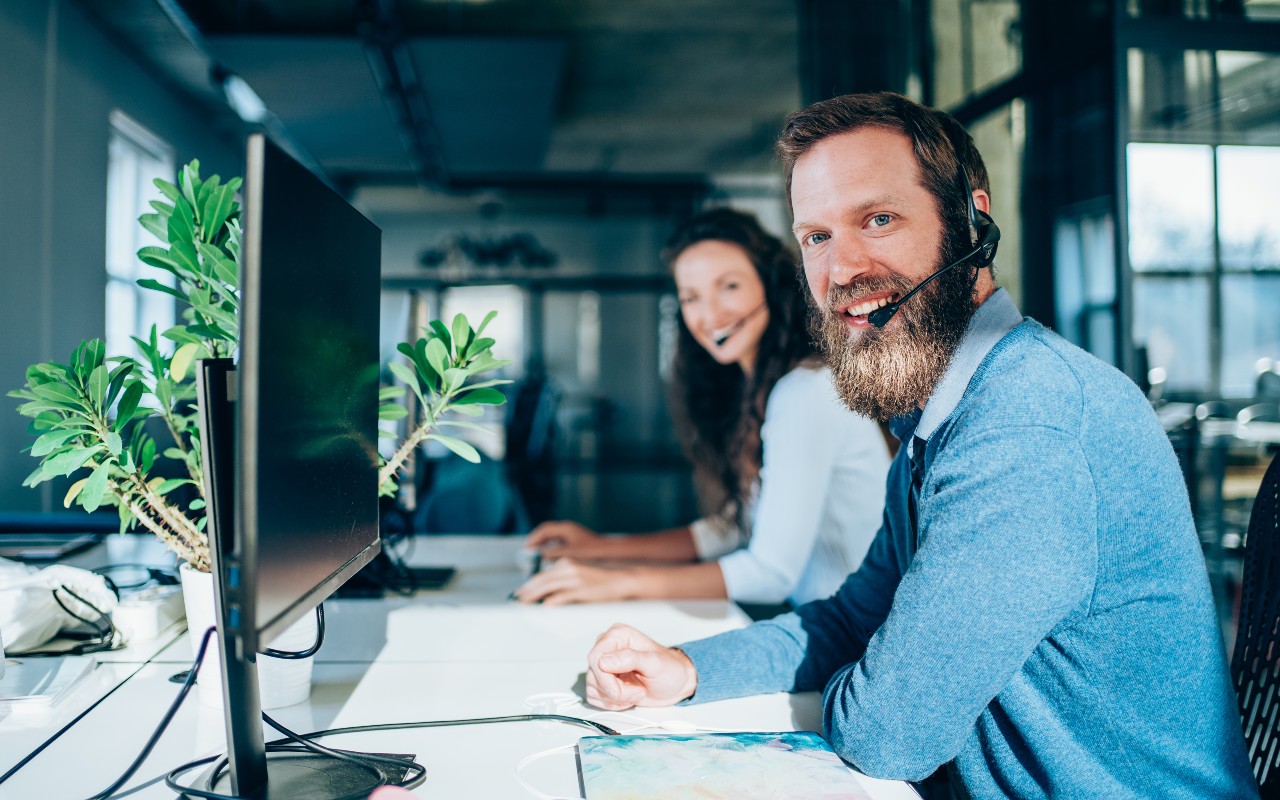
pixel 459 95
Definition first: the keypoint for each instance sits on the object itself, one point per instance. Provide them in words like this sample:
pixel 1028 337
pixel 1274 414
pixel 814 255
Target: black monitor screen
pixel 307 485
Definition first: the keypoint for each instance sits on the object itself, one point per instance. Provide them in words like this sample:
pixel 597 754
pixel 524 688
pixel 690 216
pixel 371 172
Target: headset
pixel 981 255
pixel 722 335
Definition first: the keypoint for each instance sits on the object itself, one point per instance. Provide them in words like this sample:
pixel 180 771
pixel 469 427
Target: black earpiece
pixel 983 253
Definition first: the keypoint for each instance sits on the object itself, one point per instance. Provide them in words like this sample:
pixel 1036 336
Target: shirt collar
pixel 991 321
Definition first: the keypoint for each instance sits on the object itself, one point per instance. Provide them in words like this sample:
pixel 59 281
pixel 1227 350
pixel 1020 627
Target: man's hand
pixel 627 668
pixel 567 581
pixel 561 538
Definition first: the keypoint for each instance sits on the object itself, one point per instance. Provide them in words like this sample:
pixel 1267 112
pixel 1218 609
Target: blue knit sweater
pixel 1053 635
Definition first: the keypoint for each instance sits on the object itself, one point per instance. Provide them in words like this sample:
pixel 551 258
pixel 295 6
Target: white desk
pixel 461 652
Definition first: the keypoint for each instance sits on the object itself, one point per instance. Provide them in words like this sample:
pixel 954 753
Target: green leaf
pixel 159 257
pixel 114 445
pixel 57 393
pixel 94 487
pixel 391 392
pixel 441 332
pixel 148 458
pixel 479 346
pixel 457 446
pixel 465 410
pixel 118 376
pixel 67 463
pixel 156 225
pixel 168 485
pixel 487 319
pixel 156 286
pixel 403 373
pixel 461 335
pixel 98 381
pixel 453 379
pixel 167 189
pixel 216 210
pixel 391 411
pixel 182 361
pixel 196 504
pixel 462 423
pixel 128 404
pixel 189 179
pixel 51 441
pixel 486 397
pixel 437 356
pixel 94 352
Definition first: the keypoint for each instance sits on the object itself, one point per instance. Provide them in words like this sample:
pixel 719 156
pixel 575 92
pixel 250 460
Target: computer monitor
pixel 290 438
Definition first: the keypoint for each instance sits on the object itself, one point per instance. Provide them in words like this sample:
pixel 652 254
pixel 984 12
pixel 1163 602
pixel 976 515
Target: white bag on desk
pixel 29 614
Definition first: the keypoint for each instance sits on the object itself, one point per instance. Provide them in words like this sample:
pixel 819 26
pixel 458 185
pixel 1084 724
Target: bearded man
pixel 1035 613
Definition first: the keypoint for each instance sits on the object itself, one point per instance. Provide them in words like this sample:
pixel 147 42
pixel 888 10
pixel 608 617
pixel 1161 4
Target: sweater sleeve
pixel 799 438
pixel 1007 550
pixel 802 650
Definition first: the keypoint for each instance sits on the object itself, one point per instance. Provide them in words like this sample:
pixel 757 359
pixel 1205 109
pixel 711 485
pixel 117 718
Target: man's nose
pixel 850 258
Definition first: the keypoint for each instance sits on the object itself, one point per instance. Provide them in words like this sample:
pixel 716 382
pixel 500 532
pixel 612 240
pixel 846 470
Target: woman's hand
pixel 569 581
pixel 561 538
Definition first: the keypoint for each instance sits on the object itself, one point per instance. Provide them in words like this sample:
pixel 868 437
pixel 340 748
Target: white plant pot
pixel 281 682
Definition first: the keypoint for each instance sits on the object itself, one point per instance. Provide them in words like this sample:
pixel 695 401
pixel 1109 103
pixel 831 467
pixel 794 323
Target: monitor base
pixel 297 774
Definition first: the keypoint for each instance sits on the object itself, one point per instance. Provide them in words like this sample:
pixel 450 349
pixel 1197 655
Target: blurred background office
pixel 530 156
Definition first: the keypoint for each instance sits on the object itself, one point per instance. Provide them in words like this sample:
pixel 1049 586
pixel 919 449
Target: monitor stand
pixel 291 775
pixel 248 769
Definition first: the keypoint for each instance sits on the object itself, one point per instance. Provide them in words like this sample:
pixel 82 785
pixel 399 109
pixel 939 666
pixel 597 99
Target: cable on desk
pixel 310 651
pixel 155 576
pixel 294 742
pixel 164 722
pixel 104 631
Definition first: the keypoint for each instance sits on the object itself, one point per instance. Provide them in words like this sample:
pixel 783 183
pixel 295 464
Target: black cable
pixel 310 651
pixel 104 636
pixel 164 723
pixel 99 630
pixel 283 745
pixel 392 726
pixel 154 575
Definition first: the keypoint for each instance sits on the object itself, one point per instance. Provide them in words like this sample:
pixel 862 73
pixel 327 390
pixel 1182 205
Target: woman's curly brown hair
pixel 718 409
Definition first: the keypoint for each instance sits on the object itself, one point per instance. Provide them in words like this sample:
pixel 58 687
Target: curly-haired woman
pixel 797 478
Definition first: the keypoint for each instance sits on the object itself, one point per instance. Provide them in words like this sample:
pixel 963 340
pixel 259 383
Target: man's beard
pixel 884 372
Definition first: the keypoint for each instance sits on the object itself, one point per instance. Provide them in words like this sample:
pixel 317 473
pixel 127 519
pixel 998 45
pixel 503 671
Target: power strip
pixel 143 615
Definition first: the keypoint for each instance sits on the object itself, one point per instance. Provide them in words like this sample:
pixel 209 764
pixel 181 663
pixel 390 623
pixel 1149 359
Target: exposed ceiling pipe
pixel 397 78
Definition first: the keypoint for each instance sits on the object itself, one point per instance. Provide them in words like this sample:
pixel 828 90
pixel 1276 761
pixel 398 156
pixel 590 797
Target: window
pixel 1203 185
pixel 135 158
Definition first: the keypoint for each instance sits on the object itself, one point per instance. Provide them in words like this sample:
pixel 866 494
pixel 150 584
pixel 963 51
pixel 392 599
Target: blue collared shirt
pixel 991 321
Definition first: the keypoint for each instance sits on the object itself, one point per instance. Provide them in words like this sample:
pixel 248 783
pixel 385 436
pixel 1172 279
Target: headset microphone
pixel 982 255
pixel 723 334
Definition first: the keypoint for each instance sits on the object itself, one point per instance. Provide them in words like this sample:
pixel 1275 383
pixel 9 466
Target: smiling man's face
pixel 869 232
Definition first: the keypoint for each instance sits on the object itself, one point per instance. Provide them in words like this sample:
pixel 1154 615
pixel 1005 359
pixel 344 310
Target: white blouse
pixel 818 503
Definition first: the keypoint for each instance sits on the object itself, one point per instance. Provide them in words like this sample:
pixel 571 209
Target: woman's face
pixel 722 301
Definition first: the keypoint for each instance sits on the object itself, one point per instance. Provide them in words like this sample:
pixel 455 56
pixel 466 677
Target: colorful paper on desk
pixel 707 766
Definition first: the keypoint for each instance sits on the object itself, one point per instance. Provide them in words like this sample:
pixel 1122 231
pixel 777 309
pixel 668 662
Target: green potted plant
pixel 92 417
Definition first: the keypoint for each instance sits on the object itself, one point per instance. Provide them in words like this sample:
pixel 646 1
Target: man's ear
pixel 982 201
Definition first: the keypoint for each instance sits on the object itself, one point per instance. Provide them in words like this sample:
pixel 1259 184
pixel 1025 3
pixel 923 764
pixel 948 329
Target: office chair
pixel 1266 387
pixel 1256 661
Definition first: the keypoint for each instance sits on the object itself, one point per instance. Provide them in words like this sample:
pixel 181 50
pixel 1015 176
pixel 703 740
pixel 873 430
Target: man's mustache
pixel 841 295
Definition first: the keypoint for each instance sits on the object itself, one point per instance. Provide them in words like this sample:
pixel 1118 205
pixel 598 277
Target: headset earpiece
pixel 984 226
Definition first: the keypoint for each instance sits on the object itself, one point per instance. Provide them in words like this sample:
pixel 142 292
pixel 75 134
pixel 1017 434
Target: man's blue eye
pixel 818 238
pixel 880 220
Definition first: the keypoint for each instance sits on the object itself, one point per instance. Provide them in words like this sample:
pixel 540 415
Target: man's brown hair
pixel 941 144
